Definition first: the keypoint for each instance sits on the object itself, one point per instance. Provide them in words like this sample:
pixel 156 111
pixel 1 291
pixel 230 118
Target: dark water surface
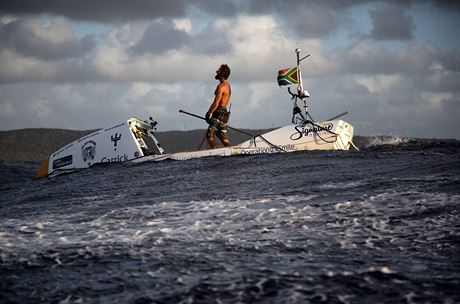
pixel 376 226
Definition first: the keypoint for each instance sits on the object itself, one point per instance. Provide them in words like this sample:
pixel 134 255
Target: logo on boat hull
pixel 115 138
pixel 62 162
pixel 88 152
pixel 302 130
pixel 269 150
pixel 116 159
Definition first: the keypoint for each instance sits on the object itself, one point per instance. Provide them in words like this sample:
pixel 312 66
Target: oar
pixel 200 117
pixel 337 116
pixel 237 130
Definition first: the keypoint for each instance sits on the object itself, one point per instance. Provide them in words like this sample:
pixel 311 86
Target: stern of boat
pixel 344 132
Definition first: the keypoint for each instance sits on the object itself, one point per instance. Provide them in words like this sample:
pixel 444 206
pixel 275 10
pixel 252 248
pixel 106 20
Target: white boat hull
pixel 126 141
pixel 328 135
pixel 133 141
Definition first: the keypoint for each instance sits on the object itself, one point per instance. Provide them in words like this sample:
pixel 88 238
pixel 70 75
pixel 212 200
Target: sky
pixel 393 65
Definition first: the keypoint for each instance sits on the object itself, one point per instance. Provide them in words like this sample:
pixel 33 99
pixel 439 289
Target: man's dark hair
pixel 225 71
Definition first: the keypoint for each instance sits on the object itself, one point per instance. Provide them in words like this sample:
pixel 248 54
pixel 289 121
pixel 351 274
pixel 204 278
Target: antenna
pixel 299 74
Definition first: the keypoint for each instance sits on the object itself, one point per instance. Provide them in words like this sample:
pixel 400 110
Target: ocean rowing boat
pixel 134 140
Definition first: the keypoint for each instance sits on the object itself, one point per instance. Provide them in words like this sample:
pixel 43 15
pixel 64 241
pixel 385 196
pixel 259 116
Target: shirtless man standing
pixel 218 115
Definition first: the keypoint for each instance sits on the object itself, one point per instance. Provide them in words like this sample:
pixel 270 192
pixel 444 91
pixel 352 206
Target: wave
pixel 386 140
pixel 399 143
pixel 15 172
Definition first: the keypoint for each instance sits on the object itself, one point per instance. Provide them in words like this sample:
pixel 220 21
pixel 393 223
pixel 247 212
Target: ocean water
pixel 380 225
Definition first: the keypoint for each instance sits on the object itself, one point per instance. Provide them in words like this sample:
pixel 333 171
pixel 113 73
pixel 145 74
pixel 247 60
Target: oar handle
pixel 191 114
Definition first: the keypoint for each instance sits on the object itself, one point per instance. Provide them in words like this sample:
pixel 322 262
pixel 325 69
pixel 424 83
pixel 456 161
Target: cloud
pixel 311 20
pixel 452 107
pixel 390 23
pixel 305 19
pixel 101 10
pixel 41 109
pixel 377 83
pixel 7 109
pixel 451 61
pixel 441 80
pixel 17 68
pixel 213 40
pixel 370 57
pixel 221 8
pixel 247 44
pixel 163 35
pixel 33 49
pixel 68 95
pixel 53 40
pixel 447 5
pixel 159 37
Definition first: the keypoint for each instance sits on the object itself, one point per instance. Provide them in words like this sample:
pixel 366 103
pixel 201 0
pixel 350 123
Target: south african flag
pixel 287 76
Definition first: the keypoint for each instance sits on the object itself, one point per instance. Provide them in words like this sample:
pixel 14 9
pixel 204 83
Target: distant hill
pixel 35 144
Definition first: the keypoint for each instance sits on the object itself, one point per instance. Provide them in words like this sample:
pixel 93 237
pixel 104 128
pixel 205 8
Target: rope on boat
pixel 322 128
pixel 353 145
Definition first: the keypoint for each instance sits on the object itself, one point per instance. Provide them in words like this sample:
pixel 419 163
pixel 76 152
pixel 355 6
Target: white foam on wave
pixel 234 221
pixel 288 221
pixel 374 228
pixel 341 185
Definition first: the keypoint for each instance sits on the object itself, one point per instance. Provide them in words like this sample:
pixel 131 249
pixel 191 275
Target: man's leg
pixel 222 134
pixel 210 137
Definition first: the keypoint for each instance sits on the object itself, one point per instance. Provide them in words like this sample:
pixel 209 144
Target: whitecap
pixel 342 205
pixel 39 225
pixel 166 230
pixel 386 140
pixel 386 270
